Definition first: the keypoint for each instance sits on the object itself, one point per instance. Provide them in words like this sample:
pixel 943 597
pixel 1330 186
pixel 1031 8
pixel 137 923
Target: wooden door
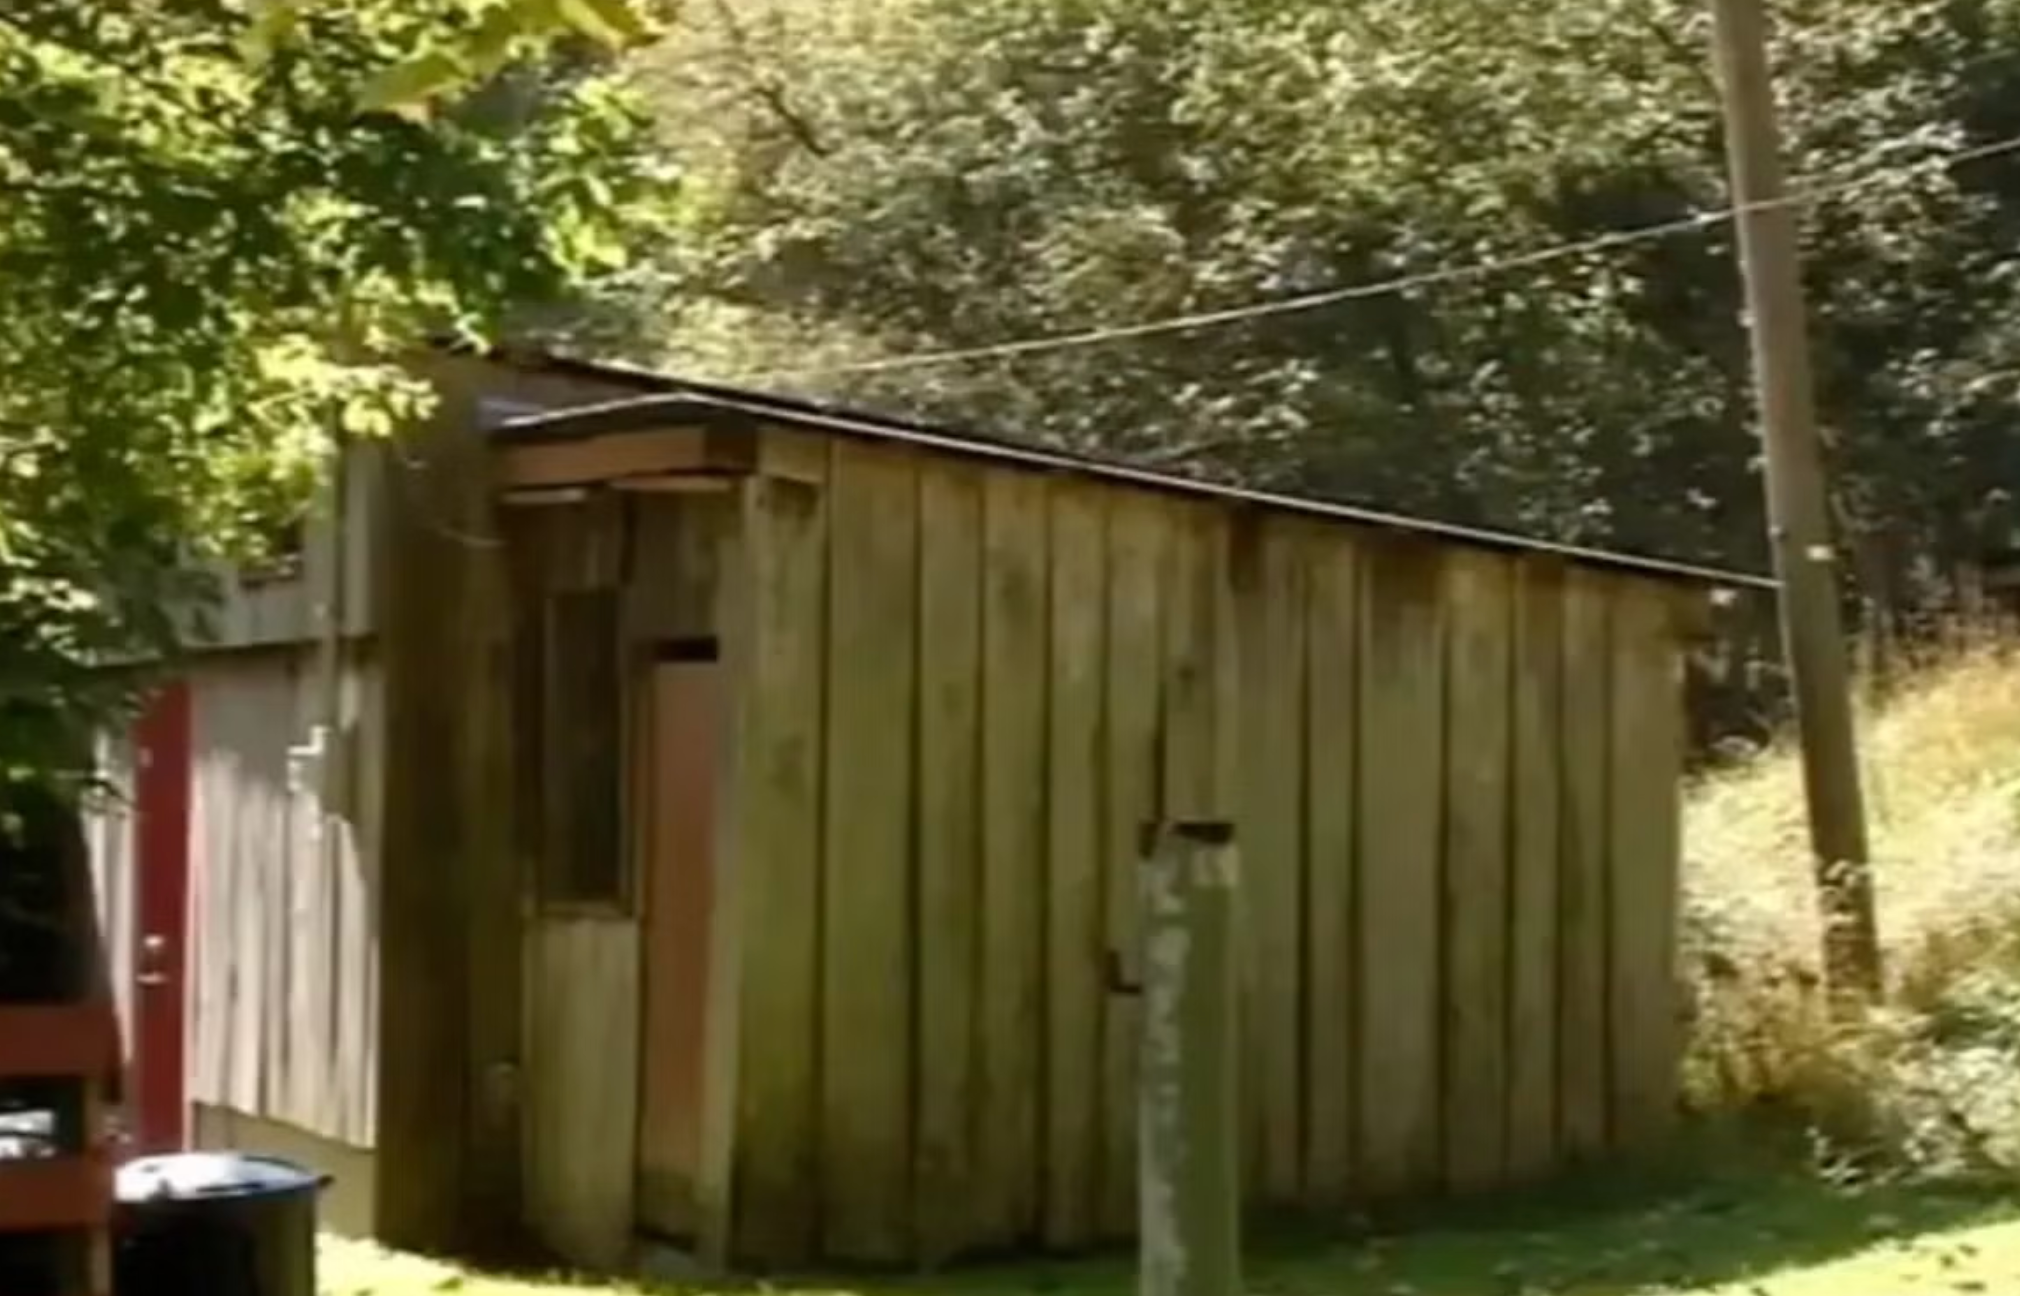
pixel 580 1069
pixel 678 805
pixel 160 955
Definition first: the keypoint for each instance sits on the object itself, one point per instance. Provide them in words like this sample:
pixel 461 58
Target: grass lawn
pixel 1783 1239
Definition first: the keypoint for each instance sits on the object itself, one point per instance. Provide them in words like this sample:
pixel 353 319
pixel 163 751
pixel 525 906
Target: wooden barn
pixel 659 815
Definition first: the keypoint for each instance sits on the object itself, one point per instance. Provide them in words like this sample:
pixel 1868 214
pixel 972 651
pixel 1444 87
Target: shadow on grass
pixel 1742 1219
pixel 1704 1242
pixel 1594 1239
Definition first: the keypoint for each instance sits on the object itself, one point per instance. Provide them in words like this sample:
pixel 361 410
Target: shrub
pixel 1929 1082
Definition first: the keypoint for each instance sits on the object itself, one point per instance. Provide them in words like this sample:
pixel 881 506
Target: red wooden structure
pixel 61 1058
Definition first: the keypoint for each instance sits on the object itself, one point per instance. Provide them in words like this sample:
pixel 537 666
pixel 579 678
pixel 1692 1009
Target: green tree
pixel 469 42
pixel 872 180
pixel 214 245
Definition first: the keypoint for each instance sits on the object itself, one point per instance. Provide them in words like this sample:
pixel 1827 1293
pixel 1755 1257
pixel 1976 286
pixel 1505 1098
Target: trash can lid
pixel 184 1175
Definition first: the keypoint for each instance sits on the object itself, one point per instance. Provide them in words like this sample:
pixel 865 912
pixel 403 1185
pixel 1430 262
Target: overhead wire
pixel 1187 323
pixel 1179 324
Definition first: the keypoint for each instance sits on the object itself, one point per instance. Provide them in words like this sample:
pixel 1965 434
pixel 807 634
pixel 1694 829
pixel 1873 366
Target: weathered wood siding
pixel 611 1117
pixel 284 899
pixel 681 776
pixel 581 1081
pixel 452 1059
pixel 959 690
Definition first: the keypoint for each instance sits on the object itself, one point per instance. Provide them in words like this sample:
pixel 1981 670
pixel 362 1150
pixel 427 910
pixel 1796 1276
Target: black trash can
pixel 215 1224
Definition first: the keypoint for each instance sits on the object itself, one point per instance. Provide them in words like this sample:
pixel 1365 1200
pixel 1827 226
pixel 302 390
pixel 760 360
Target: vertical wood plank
pixel 419 1090
pixel 242 717
pixel 247 801
pixel 1269 613
pixel 737 547
pixel 1202 682
pixel 1479 620
pixel 272 723
pixel 769 899
pixel 1643 833
pixel 1139 530
pixel 1223 650
pixel 303 1024
pixel 1582 901
pixel 213 881
pixel 1190 666
pixel 728 1219
pixel 1014 635
pixel 1533 900
pixel 582 1087
pixel 866 901
pixel 950 863
pixel 677 890
pixel 1401 803
pixel 357 955
pixel 1330 800
pixel 1073 882
pixel 1220 527
pixel 491 890
pixel 364 879
pixel 333 1066
pixel 344 1065
pixel 109 827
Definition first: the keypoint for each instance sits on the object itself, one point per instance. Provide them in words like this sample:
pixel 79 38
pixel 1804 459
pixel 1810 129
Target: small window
pixel 582 743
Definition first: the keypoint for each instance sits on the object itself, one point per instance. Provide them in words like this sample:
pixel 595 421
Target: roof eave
pixel 685 405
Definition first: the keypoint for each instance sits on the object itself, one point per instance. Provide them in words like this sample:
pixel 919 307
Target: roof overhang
pixel 682 438
pixel 651 444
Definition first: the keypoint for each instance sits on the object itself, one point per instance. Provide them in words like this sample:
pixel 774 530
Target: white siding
pixel 108 831
pixel 286 1007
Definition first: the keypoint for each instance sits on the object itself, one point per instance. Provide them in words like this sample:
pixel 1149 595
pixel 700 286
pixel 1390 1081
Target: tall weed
pixel 1929 1082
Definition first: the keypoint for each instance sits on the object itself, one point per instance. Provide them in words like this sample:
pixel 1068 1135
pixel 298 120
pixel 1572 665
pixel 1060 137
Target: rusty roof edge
pixel 684 403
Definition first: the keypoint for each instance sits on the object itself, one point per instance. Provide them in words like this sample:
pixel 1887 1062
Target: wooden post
pixel 1798 515
pixel 1189 1119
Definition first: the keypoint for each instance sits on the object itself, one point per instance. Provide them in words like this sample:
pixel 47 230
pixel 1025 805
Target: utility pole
pixel 1813 636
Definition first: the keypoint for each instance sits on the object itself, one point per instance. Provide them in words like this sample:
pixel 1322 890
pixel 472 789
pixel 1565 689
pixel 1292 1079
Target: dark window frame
pixel 576 757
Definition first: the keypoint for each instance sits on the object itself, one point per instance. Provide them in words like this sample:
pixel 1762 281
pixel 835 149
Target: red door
pixel 161 919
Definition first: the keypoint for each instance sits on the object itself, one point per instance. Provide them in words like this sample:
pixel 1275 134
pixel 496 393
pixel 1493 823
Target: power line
pixel 1387 287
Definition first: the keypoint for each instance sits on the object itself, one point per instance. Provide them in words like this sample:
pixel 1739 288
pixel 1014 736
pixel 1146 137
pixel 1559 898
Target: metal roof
pixel 672 400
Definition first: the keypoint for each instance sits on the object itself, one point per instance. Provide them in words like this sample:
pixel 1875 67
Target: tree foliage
pixel 210 252
pixel 469 42
pixel 872 180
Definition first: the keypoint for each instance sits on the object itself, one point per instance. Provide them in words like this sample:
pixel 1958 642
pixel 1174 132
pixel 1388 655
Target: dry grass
pixel 1933 1081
